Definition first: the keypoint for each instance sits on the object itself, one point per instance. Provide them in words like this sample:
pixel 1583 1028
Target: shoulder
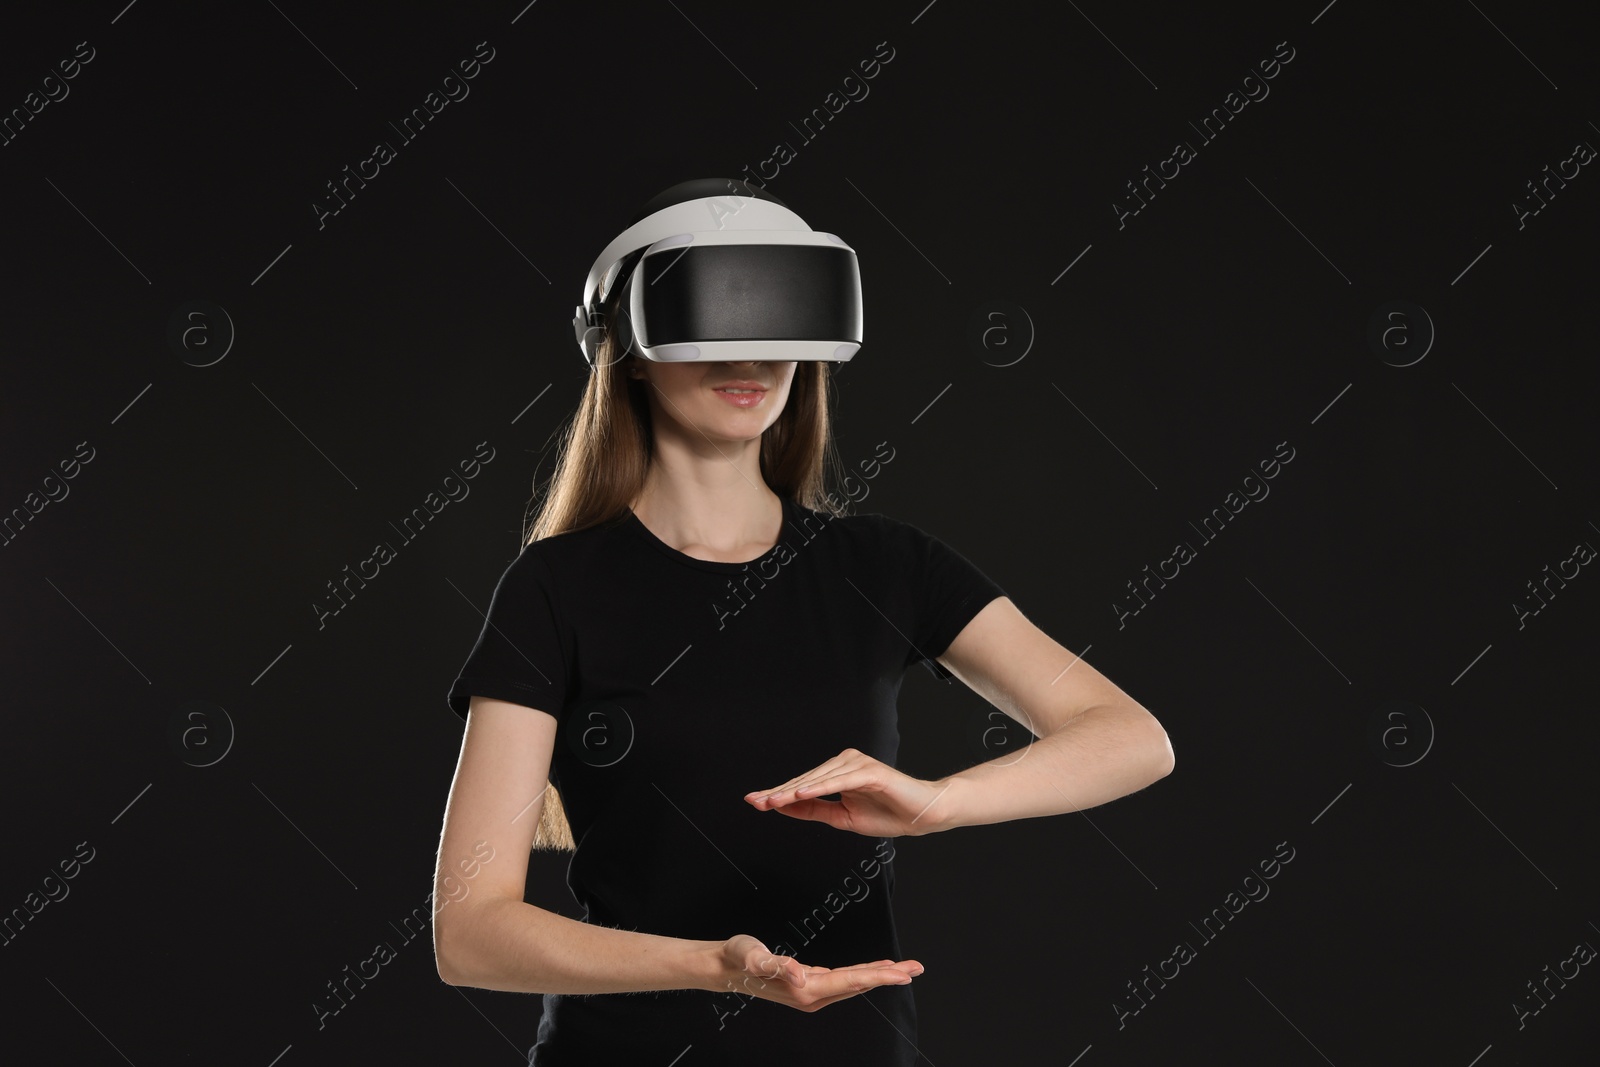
pixel 866 524
pixel 871 533
pixel 875 524
pixel 572 557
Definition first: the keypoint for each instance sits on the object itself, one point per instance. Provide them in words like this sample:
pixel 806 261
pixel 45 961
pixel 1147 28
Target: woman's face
pixel 694 396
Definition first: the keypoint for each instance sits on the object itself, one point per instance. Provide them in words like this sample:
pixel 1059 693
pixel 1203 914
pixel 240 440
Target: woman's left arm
pixel 1095 744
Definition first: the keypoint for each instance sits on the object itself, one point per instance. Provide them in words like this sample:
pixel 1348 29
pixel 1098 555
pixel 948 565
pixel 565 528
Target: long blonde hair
pixel 605 454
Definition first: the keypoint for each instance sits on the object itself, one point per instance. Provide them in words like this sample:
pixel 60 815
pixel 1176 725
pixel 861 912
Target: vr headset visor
pixel 752 282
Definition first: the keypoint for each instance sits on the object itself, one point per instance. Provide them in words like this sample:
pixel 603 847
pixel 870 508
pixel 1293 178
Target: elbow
pixel 1160 747
pixel 1165 760
pixel 447 974
pixel 445 952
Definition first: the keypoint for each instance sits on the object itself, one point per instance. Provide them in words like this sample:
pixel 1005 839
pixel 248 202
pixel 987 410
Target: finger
pixel 866 778
pixel 821 768
pixel 849 759
pixel 814 970
pixel 789 793
pixel 826 768
pixel 862 778
pixel 835 985
pixel 852 981
pixel 818 973
pixel 911 968
pixel 825 811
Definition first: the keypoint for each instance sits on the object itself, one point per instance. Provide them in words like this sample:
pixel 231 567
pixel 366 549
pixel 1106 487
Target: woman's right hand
pixel 751 968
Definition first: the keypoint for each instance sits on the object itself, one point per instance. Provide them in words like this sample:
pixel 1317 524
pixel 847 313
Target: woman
pixel 694 650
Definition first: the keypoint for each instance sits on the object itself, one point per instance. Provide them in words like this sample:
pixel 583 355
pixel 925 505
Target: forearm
pixel 1104 753
pixel 516 947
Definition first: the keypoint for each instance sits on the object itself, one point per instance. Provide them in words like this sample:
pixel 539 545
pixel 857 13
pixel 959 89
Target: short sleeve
pixel 521 654
pixel 946 591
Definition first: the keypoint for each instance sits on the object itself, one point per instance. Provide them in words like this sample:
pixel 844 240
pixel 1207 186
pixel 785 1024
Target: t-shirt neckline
pixel 633 522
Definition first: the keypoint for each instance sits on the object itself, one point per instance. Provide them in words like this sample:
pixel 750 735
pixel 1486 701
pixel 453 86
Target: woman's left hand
pixel 874 799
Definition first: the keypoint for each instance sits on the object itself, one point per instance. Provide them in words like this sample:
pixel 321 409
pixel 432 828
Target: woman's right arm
pixel 486 936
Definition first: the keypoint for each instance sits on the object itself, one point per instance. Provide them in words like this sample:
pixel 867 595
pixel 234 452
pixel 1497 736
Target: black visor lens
pixel 741 292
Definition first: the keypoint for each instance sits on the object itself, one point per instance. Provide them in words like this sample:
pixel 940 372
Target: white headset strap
pixel 692 216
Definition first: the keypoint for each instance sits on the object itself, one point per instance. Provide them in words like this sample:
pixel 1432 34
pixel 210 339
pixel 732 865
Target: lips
pixel 757 386
pixel 752 396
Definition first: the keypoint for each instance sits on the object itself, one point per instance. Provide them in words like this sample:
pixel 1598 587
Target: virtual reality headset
pixel 716 269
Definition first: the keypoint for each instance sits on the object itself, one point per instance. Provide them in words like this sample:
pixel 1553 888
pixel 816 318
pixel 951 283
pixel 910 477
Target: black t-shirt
pixel 682 684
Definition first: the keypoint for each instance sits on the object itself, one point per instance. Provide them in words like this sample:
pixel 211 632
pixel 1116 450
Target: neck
pixel 724 515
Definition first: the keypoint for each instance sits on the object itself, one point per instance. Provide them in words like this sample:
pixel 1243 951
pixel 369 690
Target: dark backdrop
pixel 218 395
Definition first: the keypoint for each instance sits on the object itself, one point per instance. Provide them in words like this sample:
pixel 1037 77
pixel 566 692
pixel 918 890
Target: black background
pixel 1121 400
